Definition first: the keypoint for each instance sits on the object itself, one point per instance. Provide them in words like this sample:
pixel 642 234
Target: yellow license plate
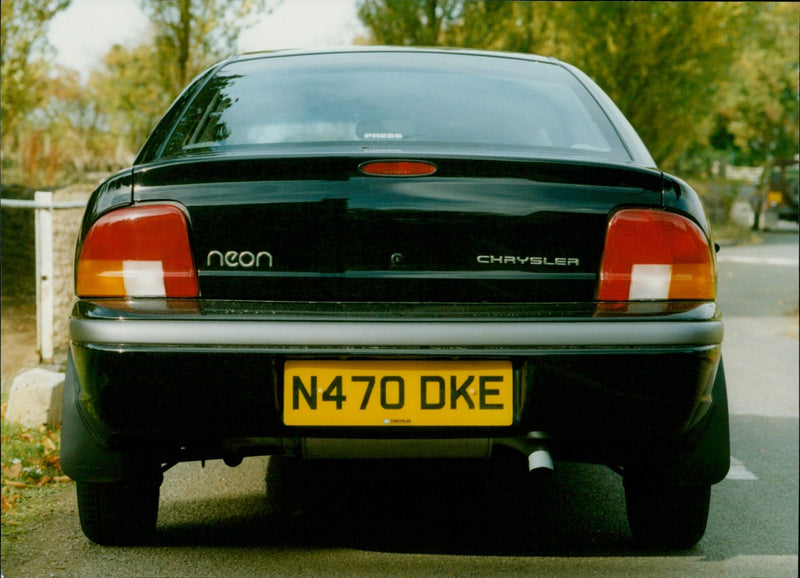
pixel 397 393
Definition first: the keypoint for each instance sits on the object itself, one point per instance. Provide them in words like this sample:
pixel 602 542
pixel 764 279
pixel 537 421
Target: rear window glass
pixel 395 99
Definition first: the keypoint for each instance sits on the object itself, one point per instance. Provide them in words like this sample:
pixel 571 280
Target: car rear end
pixel 348 255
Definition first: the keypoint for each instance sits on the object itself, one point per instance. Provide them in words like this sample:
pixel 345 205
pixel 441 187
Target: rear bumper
pixel 481 330
pixel 192 379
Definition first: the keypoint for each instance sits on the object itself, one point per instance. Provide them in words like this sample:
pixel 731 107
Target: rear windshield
pixel 398 99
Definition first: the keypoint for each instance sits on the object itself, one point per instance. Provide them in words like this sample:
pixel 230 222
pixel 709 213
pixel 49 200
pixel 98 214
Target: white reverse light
pixel 650 281
pixel 144 278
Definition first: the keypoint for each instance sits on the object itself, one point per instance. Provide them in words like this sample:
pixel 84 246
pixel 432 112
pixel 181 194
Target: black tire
pixel 119 513
pixel 667 517
pixel 668 499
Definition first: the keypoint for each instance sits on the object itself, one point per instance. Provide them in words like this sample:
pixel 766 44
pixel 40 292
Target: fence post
pixel 44 275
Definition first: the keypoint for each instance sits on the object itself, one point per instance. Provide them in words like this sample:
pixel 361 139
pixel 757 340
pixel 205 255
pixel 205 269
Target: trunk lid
pixel 479 230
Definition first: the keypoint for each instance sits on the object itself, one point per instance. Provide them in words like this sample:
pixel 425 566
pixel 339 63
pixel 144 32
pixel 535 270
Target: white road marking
pixel 738 471
pixel 742 259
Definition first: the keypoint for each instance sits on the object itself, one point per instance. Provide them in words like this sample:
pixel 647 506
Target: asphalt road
pixel 416 519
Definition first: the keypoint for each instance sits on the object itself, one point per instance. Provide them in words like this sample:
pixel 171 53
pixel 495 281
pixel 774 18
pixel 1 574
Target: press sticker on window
pixel 383 135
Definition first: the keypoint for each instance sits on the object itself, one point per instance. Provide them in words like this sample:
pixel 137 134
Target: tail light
pixel 139 251
pixel 655 255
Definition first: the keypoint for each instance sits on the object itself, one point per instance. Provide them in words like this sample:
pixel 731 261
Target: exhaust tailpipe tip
pixel 540 459
pixel 534 447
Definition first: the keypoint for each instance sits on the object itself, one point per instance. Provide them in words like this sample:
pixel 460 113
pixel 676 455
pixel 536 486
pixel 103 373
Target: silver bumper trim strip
pixel 396 334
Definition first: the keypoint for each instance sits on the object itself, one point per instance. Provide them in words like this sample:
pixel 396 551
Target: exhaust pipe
pixel 534 446
pixel 540 459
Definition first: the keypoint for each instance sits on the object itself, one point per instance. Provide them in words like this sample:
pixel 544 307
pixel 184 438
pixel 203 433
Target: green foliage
pixel 761 115
pixel 136 85
pixel 24 56
pixel 663 63
pixel 700 81
pixel 63 127
pixel 682 72
pixel 409 22
pixel 133 90
pixel 30 465
pixel 192 34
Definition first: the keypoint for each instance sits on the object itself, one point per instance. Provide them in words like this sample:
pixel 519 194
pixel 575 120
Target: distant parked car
pixel 396 253
pixel 777 194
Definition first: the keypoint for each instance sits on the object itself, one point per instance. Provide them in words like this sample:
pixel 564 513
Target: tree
pixel 133 90
pixel 663 63
pixel 512 26
pixel 24 57
pixel 762 114
pixel 192 34
pixel 135 85
pixel 409 22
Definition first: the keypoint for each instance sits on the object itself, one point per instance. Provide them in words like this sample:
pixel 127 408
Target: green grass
pixel 30 472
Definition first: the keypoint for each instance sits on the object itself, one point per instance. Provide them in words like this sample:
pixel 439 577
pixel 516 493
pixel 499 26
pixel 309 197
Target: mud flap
pixel 83 457
pixel 703 457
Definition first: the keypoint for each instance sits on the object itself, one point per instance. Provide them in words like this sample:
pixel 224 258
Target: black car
pixel 396 253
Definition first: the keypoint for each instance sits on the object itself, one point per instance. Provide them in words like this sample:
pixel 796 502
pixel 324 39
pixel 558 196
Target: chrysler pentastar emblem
pixel 532 261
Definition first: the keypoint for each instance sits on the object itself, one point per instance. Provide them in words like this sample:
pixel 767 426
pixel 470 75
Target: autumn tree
pixel 663 63
pixel 130 88
pixel 409 22
pixel 135 85
pixel 761 112
pixel 192 34
pixel 25 57
pixel 512 26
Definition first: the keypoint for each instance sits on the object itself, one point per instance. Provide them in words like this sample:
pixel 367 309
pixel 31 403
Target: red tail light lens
pixel 138 252
pixel 655 255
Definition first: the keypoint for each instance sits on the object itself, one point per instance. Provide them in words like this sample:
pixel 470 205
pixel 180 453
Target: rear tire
pixel 119 513
pixel 666 516
pixel 668 498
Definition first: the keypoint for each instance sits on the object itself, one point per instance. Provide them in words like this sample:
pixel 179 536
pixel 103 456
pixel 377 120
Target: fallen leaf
pixel 8 502
pixel 52 461
pixel 62 479
pixel 13 472
pixel 19 485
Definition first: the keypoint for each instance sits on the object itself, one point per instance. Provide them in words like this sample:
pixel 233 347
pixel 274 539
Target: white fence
pixel 44 207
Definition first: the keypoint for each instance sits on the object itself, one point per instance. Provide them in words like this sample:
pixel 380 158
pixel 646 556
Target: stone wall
pixel 66 224
pixel 19 255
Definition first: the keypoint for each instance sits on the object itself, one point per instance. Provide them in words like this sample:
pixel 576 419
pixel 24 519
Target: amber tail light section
pixel 140 251
pixel 655 255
